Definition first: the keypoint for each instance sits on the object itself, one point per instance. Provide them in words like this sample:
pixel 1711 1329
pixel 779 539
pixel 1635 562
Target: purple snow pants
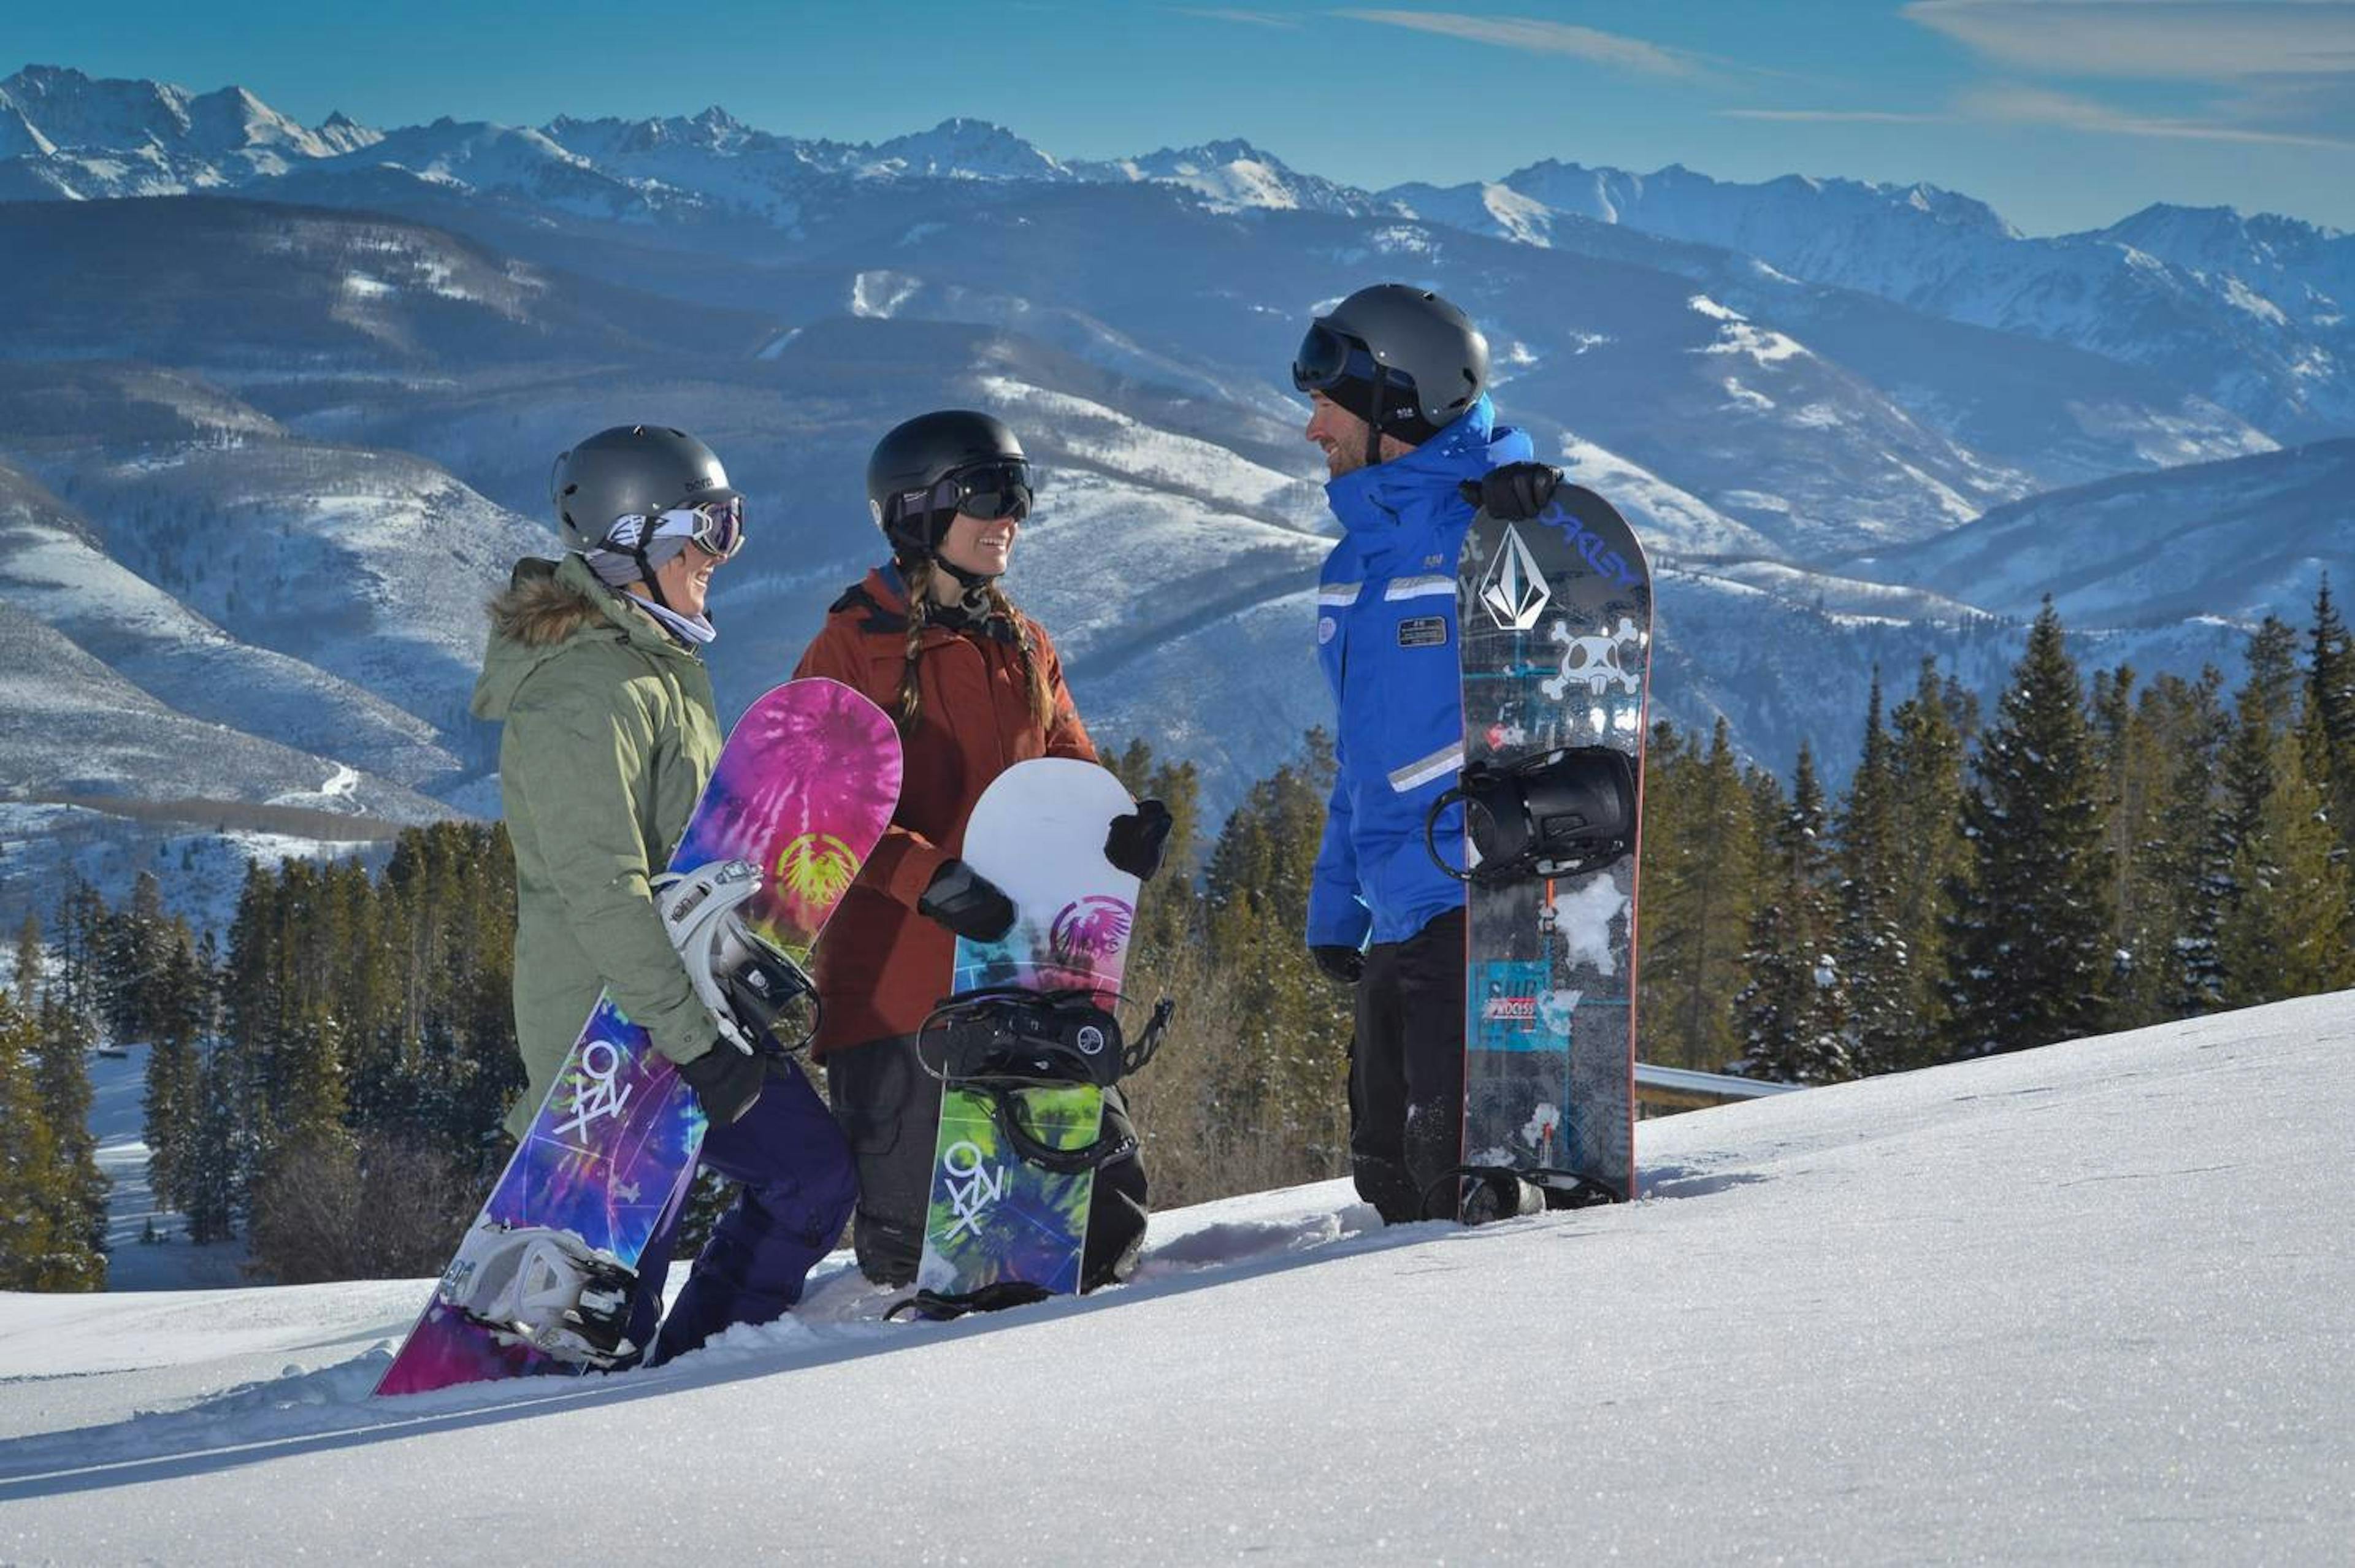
pixel 799 1186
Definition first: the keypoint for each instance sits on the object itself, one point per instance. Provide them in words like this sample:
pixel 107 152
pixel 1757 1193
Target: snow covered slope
pixel 2074 1304
pixel 2230 539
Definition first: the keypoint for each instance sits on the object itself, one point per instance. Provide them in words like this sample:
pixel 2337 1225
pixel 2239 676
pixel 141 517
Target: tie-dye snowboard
pixel 804 788
pixel 997 1219
pixel 1556 614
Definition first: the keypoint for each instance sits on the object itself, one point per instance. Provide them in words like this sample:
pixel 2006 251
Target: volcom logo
pixel 596 1094
pixel 1513 590
pixel 1594 664
pixel 973 1186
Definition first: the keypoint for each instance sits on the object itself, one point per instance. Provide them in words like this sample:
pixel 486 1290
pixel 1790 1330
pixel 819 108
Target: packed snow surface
pixel 2078 1304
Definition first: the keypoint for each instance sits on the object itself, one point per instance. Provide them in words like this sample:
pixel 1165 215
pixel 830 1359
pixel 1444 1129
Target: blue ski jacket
pixel 1387 639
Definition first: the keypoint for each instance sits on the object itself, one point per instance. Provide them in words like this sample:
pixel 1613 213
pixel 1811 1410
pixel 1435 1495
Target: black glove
pixel 967 902
pixel 1515 493
pixel 1135 841
pixel 726 1080
pixel 1340 964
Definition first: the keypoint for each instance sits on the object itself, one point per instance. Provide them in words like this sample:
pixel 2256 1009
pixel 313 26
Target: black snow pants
pixel 1406 1071
pixel 890 1108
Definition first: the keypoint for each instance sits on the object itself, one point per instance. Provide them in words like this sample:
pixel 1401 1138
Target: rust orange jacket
pixel 880 965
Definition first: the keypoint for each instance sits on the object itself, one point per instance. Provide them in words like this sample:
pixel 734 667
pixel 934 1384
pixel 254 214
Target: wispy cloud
pixel 1227 14
pixel 1836 117
pixel 1545 37
pixel 2191 41
pixel 2035 106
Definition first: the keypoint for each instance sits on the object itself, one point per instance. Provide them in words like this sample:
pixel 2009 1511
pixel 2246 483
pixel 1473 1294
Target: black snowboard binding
pixel 1489 1192
pixel 1002 1040
pixel 1551 814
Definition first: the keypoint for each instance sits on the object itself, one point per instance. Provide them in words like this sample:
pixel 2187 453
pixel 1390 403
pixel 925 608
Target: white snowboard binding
pixel 751 986
pixel 545 1289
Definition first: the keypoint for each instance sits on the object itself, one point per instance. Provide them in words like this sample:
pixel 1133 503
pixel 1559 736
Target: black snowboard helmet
pixel 1401 359
pixel 931 467
pixel 630 470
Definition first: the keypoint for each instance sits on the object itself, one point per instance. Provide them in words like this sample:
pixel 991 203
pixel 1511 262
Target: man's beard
pixel 1346 457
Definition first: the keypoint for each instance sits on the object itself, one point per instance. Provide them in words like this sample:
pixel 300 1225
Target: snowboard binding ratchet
pixel 546 1289
pixel 1000 1041
pixel 1551 814
pixel 754 990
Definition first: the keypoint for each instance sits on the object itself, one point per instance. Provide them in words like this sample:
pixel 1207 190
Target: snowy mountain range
pixel 292 413
pixel 2071 1305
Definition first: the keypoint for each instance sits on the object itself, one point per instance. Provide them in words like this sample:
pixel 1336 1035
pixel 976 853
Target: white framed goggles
pixel 715 527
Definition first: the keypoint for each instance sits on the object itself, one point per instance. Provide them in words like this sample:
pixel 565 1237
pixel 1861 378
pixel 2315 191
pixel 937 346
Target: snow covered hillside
pixel 2082 1303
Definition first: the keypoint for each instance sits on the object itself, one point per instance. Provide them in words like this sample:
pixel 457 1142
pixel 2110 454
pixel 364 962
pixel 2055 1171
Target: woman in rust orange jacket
pixel 976 686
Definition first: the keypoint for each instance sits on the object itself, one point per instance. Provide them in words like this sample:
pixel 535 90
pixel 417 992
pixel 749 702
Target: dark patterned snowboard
pixel 1556 617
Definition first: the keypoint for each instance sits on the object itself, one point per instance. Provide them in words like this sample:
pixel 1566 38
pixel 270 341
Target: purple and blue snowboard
pixel 804 788
pixel 994 1217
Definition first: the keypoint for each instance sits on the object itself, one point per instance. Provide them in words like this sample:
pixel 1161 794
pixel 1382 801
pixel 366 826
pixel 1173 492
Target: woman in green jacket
pixel 595 670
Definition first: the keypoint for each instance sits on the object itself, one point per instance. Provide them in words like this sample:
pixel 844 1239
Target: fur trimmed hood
pixel 557 612
pixel 538 608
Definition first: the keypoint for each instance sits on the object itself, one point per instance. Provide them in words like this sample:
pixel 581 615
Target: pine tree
pixel 210 1190
pixel 2282 927
pixel 1700 850
pixel 2030 961
pixel 1296 1024
pixel 2330 712
pixel 62 1042
pixel 29 963
pixel 2181 865
pixel 1926 745
pixel 41 1247
pixel 1793 1011
pixel 169 1105
pixel 1875 963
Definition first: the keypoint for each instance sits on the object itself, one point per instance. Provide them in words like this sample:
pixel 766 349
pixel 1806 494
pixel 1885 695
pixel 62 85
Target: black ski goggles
pixel 1326 358
pixel 988 491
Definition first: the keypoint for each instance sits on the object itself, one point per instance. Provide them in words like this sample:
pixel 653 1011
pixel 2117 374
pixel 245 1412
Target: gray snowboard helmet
pixel 630 470
pixel 928 469
pixel 1401 359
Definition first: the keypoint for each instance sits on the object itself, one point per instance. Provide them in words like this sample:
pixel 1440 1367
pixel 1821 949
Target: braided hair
pixel 919 575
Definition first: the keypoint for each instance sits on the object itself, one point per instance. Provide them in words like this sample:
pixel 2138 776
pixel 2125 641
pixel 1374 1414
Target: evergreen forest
pixel 326 1078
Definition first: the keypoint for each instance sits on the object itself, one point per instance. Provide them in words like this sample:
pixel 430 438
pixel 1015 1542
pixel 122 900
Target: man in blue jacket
pixel 1396 378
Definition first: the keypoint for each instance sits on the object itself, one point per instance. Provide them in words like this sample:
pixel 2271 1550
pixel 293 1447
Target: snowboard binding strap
pixel 1551 814
pixel 1501 1192
pixel 1037 1037
pixel 941 1306
pixel 754 990
pixel 544 1289
pixel 1001 1040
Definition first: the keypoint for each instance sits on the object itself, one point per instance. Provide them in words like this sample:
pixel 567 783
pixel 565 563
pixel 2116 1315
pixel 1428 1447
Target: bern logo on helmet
pixel 703 482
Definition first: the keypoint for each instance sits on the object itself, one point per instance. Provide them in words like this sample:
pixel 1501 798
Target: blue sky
pixel 2061 114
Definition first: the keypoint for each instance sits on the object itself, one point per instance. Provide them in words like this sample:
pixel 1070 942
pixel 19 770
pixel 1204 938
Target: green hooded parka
pixel 610 735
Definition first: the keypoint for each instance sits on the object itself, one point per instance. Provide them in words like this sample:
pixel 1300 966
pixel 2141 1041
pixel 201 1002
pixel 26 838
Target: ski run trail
pixel 2081 1304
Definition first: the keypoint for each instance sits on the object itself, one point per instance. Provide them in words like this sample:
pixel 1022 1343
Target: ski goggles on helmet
pixel 716 527
pixel 988 491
